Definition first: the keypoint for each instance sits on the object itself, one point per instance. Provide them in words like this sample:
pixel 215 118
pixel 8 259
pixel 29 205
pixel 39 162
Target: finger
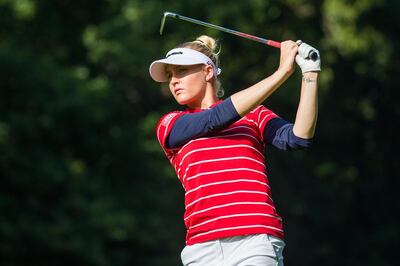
pixel 299 60
pixel 305 49
pixel 288 44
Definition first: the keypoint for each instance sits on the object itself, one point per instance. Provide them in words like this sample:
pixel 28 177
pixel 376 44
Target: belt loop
pixel 221 250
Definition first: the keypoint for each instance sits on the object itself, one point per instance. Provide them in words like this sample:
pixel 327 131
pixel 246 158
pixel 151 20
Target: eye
pixel 181 70
pixel 168 74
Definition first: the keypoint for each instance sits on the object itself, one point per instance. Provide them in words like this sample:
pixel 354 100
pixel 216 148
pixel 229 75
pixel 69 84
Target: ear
pixel 208 72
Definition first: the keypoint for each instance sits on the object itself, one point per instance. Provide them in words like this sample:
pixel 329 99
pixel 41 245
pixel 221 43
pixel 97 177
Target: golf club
pixel 313 55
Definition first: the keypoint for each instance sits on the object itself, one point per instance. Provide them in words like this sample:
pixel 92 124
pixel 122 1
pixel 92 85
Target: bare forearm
pixel 307 112
pixel 246 100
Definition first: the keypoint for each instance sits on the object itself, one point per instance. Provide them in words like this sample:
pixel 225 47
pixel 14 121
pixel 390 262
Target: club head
pixel 166 14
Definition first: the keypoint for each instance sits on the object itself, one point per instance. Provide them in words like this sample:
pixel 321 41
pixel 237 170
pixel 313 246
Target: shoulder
pixel 167 118
pixel 261 115
pixel 166 122
pixel 260 110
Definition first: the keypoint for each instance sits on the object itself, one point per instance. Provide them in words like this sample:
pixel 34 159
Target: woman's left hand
pixel 304 61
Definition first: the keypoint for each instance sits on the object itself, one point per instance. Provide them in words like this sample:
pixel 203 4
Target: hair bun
pixel 208 41
pixel 206 45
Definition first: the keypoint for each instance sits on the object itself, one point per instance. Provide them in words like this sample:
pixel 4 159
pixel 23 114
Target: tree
pixel 84 181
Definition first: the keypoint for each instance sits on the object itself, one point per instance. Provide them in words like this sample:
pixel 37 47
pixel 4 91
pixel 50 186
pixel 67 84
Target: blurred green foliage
pixel 83 180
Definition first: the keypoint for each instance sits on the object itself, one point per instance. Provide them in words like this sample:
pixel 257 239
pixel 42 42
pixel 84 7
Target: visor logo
pixel 174 53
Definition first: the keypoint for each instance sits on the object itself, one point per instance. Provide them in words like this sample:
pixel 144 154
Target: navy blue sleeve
pixel 279 133
pixel 195 125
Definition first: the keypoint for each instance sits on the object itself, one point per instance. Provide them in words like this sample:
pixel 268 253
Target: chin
pixel 183 100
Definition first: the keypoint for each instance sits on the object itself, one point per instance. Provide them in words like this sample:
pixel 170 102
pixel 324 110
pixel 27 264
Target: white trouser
pixel 250 250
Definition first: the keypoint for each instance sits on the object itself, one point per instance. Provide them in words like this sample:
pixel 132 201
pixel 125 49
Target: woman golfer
pixel 217 150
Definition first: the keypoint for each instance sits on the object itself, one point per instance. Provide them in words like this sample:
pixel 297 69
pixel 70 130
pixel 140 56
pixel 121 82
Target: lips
pixel 178 91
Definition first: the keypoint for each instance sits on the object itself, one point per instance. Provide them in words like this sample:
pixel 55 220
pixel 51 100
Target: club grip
pixel 274 44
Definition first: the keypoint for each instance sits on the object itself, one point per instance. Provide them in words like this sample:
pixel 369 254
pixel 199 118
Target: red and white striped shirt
pixel 227 192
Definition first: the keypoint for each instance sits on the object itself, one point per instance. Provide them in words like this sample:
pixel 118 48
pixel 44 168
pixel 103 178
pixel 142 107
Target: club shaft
pixel 238 33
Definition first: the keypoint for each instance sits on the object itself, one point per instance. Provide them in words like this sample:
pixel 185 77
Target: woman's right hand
pixel 288 54
pixel 246 100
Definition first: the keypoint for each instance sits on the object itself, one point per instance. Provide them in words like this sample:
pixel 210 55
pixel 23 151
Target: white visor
pixel 179 56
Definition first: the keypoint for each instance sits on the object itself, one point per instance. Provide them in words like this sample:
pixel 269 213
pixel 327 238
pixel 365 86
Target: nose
pixel 173 80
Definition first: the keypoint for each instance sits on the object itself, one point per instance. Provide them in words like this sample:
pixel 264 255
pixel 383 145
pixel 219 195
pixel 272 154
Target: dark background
pixel 83 180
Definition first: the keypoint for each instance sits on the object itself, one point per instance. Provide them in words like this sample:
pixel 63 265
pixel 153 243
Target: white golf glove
pixel 303 58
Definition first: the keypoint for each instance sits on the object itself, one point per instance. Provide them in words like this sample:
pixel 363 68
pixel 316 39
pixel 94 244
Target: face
pixel 188 83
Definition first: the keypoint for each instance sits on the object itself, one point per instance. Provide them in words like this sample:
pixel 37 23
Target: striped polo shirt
pixel 224 176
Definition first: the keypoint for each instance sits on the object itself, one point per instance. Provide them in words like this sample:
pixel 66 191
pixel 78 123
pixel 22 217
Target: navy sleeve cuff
pixel 279 133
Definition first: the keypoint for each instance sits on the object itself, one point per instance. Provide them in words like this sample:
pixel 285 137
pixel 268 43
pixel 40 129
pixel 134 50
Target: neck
pixel 206 101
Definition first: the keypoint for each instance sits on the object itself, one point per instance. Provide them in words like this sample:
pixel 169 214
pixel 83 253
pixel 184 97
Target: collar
pixel 196 110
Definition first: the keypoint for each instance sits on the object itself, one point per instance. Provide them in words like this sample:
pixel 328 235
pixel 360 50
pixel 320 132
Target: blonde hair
pixel 210 47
